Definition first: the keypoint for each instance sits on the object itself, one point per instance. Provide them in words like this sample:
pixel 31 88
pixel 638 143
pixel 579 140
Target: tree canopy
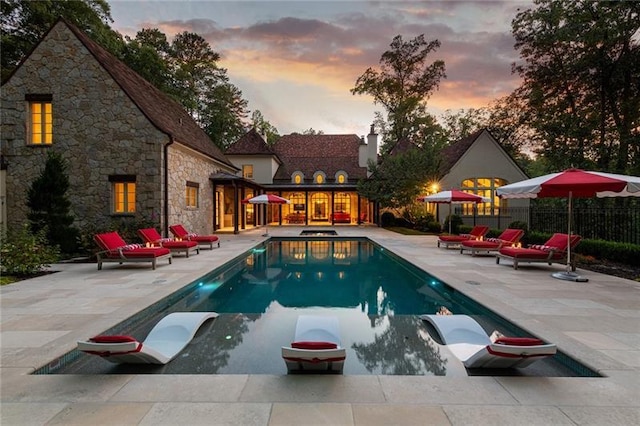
pixel 581 82
pixel 402 85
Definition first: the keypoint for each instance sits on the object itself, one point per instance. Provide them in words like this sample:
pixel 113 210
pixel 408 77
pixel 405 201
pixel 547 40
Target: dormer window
pixel 341 177
pixel 319 178
pixel 297 178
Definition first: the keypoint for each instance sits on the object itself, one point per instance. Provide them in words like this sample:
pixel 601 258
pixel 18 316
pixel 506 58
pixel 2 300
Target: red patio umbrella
pixel 266 199
pixel 453 197
pixel 570 184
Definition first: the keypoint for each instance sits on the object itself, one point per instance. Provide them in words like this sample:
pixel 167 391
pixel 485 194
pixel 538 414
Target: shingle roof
pixel 312 153
pixel 163 112
pixel 251 143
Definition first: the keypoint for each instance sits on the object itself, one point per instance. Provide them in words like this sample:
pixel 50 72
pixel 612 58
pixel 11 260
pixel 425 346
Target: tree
pixel 399 179
pixel 223 114
pixel 581 72
pixel 462 123
pixel 263 127
pixel 403 84
pixel 24 22
pixel 49 206
pixel 149 55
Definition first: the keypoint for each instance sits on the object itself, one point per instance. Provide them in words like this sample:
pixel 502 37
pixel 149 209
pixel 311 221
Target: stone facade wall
pixel 97 129
pixel 187 165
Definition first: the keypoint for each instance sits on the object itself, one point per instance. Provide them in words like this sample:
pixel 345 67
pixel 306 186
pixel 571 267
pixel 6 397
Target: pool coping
pixel 596 323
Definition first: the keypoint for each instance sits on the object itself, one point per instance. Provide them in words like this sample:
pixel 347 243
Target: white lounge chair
pixel 468 341
pixel 316 346
pixel 166 340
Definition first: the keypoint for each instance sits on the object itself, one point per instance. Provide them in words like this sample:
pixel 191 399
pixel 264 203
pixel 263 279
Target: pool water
pixel 376 296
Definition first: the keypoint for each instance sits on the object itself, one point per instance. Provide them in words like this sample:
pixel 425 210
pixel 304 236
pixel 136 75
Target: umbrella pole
pixel 449 218
pixel 569 275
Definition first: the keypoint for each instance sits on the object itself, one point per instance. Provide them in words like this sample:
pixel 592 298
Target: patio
pixel 597 323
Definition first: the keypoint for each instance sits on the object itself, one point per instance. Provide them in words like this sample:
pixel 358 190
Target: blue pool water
pixel 376 296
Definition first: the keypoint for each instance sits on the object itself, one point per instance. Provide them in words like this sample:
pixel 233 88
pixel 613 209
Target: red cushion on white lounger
pixel 314 345
pixel 113 339
pixel 519 341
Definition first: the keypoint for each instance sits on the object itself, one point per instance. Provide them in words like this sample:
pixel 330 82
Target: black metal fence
pixel 605 223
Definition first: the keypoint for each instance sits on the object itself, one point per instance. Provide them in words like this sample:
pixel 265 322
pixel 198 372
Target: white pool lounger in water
pixel 165 341
pixel 468 341
pixel 316 346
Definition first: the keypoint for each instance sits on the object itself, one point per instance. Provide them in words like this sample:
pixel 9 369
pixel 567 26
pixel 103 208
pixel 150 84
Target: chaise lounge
pixel 165 341
pixel 508 238
pixel 554 250
pixel 203 240
pixel 153 237
pixel 115 249
pixel 468 341
pixel 477 233
pixel 316 346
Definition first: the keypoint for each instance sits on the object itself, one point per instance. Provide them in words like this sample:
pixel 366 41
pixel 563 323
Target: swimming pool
pixel 376 295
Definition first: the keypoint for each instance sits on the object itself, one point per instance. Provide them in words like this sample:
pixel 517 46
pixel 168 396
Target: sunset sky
pixel 295 61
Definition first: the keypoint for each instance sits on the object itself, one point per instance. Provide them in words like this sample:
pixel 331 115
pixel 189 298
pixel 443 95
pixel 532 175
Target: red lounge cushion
pixel 204 238
pixel 453 238
pixel 110 240
pixel 145 252
pixel 528 253
pixel 519 341
pixel 113 339
pixel 314 345
pixel 179 244
pixel 179 231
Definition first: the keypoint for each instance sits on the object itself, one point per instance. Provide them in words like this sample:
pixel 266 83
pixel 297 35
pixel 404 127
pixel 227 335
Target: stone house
pixel 132 153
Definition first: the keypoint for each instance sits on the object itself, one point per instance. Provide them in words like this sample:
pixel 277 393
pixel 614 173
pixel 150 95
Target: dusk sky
pixel 295 61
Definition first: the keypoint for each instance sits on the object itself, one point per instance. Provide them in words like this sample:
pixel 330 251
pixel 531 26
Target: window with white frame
pixel 319 177
pixel 341 177
pixel 192 194
pixel 484 187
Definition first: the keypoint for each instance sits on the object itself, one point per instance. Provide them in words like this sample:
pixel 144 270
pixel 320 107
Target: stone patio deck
pixel 597 323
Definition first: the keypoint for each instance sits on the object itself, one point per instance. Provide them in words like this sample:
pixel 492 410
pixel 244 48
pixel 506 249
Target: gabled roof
pixel 251 143
pixel 312 153
pixel 163 112
pixel 452 153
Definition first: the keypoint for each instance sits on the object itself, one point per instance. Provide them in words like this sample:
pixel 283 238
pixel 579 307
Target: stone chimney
pixel 372 147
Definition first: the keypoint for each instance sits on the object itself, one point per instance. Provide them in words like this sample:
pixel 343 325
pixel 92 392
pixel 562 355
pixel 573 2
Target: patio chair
pixel 468 341
pixel 554 250
pixel 115 249
pixel 316 346
pixel 477 233
pixel 165 341
pixel 203 240
pixel 153 238
pixel 509 237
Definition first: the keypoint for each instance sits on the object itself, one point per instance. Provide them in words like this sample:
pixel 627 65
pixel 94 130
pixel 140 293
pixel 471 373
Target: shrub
pixel 24 253
pixel 456 222
pixel 434 227
pixel 387 219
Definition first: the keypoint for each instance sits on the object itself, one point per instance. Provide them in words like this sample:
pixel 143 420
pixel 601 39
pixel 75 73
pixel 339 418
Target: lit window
pixel 341 178
pixel 484 187
pixel 319 178
pixel 40 122
pixel 192 194
pixel 297 179
pixel 247 171
pixel 124 197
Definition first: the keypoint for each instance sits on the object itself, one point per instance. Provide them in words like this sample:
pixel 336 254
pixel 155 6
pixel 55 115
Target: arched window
pixel 319 178
pixel 297 178
pixel 341 177
pixel 484 187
